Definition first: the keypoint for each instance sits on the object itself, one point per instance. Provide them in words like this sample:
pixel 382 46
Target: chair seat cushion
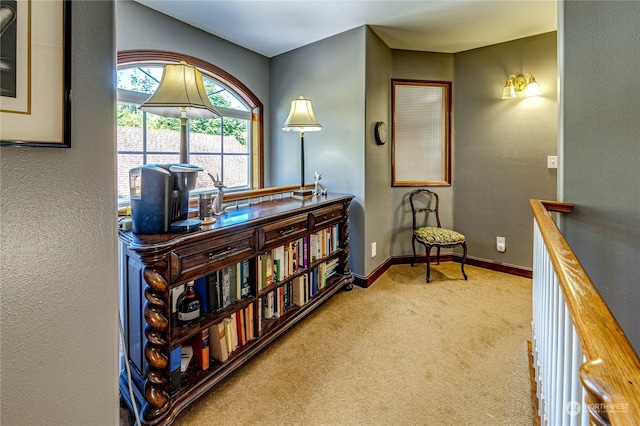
pixel 430 235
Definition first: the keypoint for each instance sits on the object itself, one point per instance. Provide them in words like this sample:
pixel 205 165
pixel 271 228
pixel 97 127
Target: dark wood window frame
pixel 403 168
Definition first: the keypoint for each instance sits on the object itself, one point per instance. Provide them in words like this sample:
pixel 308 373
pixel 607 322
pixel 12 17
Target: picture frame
pixel 421 133
pixel 35 80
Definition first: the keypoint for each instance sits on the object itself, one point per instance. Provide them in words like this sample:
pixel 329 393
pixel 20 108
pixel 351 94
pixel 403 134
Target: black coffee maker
pixel 160 198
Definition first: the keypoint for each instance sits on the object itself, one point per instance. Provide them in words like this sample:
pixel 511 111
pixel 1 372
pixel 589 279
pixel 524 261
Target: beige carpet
pixel 401 352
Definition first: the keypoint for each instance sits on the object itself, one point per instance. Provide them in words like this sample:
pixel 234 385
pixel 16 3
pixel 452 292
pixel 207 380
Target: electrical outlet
pixel 500 244
pixel 373 249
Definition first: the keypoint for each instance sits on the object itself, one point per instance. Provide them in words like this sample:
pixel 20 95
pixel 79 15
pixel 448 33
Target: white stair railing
pixel 556 350
pixel 586 371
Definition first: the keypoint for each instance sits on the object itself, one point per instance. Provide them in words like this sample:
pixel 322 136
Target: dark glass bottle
pixel 189 304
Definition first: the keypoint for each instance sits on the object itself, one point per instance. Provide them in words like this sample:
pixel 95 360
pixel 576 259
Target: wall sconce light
pixel 519 83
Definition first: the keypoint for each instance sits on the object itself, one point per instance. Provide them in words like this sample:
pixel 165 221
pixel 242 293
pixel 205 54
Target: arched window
pixel 229 147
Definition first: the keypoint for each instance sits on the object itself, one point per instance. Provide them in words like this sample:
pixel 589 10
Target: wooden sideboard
pixel 154 266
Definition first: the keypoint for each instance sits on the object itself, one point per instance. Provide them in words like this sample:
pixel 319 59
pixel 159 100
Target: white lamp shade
pixel 532 89
pixel 181 93
pixel 508 92
pixel 301 117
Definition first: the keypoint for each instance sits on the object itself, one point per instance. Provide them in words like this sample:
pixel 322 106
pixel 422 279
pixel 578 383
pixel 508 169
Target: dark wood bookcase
pixel 153 265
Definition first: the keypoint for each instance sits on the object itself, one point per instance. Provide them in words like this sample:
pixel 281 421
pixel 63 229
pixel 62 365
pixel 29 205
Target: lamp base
pixel 303 193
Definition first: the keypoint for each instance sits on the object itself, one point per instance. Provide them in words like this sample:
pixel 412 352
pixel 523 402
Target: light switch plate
pixel 552 162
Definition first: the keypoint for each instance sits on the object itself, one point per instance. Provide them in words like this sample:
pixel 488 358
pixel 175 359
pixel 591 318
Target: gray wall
pixel 499 153
pixel 377 177
pixel 330 73
pixel 140 27
pixel 59 286
pixel 413 65
pixel 501 146
pixel 601 144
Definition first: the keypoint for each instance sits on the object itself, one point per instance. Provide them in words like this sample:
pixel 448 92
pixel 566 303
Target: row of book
pixel 280 263
pixel 231 333
pixel 221 339
pixel 225 286
pixel 275 303
pixel 214 343
pixel 182 355
pixel 307 286
pixel 296 292
pixel 324 242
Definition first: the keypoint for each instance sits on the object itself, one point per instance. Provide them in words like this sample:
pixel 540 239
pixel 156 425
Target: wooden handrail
pixel 611 375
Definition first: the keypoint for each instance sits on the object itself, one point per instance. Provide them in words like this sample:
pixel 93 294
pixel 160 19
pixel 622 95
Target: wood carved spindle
pixel 156 350
pixel 346 269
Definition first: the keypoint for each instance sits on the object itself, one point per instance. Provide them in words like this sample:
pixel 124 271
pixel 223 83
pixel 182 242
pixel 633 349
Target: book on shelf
pixel 265 269
pixel 287 296
pixel 313 247
pixel 280 302
pixel 200 345
pixel 234 332
pixel 261 267
pixel 206 288
pixel 249 321
pixel 323 243
pixel 175 357
pixel 187 356
pixel 293 261
pixel 233 283
pixel 245 279
pixel 260 315
pixel 299 290
pixel 322 275
pixel 331 266
pixel 227 335
pixel 240 327
pixel 217 342
pixel 279 264
pixel 318 279
pixel 268 308
pixel 313 282
pixel 287 258
pixel 269 275
pixel 225 284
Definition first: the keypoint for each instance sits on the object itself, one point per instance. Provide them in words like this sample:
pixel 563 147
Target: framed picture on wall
pixel 35 73
pixel 421 141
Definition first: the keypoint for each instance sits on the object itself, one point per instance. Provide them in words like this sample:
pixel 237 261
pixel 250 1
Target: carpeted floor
pixel 401 352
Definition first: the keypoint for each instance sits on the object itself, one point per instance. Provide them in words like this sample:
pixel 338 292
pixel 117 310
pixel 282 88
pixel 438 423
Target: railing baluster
pixel 575 339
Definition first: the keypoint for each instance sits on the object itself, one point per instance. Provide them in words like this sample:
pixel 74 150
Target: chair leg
pixel 464 256
pixel 438 254
pixel 413 243
pixel 428 263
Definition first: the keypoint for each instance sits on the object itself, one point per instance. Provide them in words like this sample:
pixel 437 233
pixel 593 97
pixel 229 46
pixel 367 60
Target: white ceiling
pixel 274 27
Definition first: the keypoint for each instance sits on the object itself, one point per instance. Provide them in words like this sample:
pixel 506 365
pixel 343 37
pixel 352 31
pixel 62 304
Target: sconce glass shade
pixel 508 91
pixel 181 93
pixel 532 88
pixel 301 117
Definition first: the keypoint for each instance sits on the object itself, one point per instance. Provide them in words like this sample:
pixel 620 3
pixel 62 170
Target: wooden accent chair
pixel 423 202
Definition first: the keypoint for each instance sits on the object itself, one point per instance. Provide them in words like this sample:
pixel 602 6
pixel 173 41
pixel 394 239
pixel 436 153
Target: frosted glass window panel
pixel 421 133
